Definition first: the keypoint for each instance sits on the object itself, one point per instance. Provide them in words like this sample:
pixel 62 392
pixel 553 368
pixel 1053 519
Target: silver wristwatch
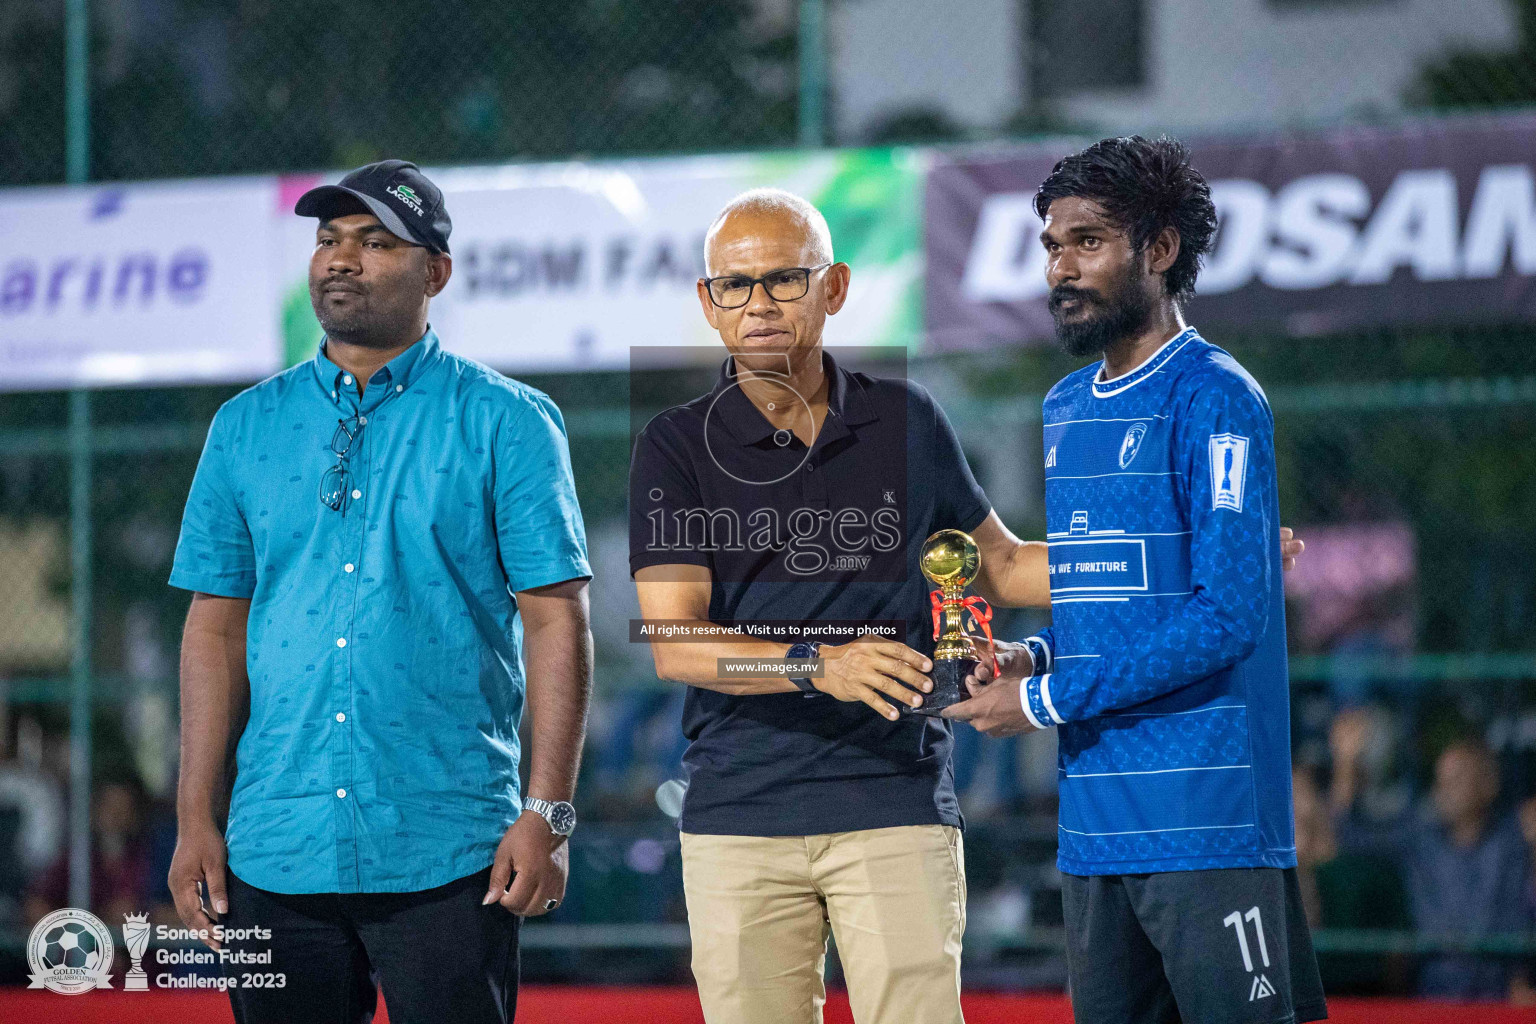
pixel 560 814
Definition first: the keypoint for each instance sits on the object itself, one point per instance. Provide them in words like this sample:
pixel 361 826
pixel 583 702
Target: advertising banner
pixel 567 266
pixel 153 283
pixel 1425 223
pixel 556 266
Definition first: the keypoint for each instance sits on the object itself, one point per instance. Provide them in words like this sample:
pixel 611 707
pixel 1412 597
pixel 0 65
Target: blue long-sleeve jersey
pixel 1165 666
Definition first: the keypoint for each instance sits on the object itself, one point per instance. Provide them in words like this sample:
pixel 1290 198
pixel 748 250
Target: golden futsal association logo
pixel 69 952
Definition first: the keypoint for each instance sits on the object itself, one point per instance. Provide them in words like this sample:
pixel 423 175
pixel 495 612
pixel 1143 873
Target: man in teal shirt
pixel 377 538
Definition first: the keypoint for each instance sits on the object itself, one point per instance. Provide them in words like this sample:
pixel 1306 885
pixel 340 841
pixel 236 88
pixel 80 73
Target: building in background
pixel 1184 65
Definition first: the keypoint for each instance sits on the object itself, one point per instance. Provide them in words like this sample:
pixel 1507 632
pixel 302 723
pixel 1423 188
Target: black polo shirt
pixel 790 534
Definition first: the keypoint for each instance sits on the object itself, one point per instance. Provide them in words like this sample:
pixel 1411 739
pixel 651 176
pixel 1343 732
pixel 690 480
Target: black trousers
pixel 1219 946
pixel 439 955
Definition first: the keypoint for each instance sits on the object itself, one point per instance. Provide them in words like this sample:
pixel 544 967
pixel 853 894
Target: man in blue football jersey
pixel 1165 666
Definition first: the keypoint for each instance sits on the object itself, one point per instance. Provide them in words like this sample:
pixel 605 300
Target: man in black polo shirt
pixel 798 491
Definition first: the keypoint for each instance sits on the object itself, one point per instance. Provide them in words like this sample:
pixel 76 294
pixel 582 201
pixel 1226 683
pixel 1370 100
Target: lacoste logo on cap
pixel 407 195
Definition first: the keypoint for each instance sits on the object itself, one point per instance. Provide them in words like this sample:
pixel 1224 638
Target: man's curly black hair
pixel 1144 185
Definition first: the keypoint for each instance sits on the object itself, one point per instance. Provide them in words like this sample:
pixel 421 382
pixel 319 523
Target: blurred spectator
pixel 1467 869
pixel 1526 814
pixel 1347 890
pixel 646 739
pixel 120 860
pixel 971 756
pixel 1316 846
pixel 1523 989
pixel 1354 593
pixel 31 819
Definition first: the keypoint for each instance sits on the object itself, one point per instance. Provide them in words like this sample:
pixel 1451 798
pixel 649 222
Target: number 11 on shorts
pixel 1235 920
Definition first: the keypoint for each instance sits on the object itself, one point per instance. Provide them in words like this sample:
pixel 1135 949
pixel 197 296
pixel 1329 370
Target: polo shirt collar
pixel 847 404
pixel 402 371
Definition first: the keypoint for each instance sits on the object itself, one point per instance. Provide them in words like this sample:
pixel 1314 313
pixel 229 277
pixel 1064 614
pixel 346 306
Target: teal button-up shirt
pixel 384 643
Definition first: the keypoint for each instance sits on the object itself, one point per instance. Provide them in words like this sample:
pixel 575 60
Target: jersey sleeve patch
pixel 1229 470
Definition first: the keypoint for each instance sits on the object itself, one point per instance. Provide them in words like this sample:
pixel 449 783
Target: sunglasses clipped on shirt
pixel 336 484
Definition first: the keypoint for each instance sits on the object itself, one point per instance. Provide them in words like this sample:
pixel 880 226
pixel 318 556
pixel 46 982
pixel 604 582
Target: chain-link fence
pixel 186 87
pixel 1403 460
pixel 1404 454
pixel 189 87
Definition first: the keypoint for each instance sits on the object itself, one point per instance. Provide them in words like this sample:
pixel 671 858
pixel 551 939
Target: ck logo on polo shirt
pixel 407 195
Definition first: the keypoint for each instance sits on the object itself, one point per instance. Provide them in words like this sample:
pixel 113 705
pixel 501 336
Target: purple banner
pixel 1429 222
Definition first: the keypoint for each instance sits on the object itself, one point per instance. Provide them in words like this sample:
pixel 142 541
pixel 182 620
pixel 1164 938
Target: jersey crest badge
pixel 1229 470
pixel 1132 443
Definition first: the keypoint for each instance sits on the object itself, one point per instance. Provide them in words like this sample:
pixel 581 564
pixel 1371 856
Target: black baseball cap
pixel 396 192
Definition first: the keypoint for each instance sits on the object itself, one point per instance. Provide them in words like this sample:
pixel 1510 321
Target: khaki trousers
pixel 759 911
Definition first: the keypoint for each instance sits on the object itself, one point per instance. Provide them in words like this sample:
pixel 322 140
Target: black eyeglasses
pixel 732 291
pixel 336 484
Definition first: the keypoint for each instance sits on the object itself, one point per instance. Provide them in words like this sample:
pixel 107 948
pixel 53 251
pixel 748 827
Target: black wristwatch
pixel 805 649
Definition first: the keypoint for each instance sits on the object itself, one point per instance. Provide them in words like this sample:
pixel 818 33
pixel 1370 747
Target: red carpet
pixel 546 1005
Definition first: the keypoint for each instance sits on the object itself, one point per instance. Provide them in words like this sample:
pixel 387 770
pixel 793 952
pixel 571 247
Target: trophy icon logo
pixel 952 560
pixel 136 938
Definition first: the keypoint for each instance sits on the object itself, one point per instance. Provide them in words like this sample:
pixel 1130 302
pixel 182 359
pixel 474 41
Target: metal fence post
pixel 77 90
pixel 812 46
pixel 77 168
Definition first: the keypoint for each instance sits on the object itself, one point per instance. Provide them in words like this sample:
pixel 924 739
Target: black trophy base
pixel 948 686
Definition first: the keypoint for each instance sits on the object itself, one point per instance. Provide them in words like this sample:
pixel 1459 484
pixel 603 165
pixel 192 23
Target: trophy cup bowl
pixel 950 560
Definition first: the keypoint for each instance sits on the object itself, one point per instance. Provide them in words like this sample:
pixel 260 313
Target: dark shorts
pixel 438 954
pixel 1225 946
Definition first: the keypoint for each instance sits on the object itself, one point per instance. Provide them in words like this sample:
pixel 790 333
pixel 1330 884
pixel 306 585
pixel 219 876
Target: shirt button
pixel 341 716
pixel 341 641
pixel 810 468
pixel 341 794
pixel 349 567
pixel 346 380
pixel 356 495
pixel 399 388
pixel 362 421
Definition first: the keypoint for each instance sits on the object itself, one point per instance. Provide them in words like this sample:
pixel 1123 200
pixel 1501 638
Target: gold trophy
pixel 951 560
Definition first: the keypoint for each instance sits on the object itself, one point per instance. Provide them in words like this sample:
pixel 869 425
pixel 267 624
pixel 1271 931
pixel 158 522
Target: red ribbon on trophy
pixel 981 616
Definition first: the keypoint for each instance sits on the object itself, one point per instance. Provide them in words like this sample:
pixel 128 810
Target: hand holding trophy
pixel 951 560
